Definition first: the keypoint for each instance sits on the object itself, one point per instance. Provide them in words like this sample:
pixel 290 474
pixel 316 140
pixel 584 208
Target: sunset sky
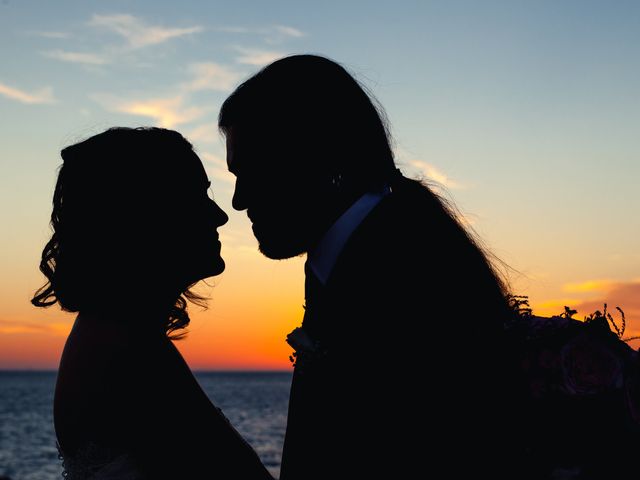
pixel 527 113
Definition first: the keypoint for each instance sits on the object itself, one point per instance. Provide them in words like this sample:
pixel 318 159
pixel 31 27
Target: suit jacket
pixel 407 385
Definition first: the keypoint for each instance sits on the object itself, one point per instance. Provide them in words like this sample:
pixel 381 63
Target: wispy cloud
pixel 590 286
pixel 13 327
pixel 205 133
pixel 211 76
pixel 272 34
pixel 288 31
pixel 218 167
pixel 165 112
pixel 53 35
pixel 257 57
pixel 433 173
pixel 421 169
pixel 137 33
pixel 623 294
pixel 43 95
pixel 78 57
pixel 213 159
pixel 238 241
pixel 177 109
pixel 555 306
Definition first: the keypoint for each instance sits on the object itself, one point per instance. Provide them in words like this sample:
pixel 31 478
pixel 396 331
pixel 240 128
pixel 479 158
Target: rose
pixel 589 366
pixel 300 341
pixel 307 350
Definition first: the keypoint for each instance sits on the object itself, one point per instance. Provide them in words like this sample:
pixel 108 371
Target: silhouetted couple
pixel 400 367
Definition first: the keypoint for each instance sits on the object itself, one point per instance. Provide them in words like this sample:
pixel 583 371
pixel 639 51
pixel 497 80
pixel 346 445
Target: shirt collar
pixel 323 257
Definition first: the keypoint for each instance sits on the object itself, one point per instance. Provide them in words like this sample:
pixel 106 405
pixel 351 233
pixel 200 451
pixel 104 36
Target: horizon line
pixel 195 370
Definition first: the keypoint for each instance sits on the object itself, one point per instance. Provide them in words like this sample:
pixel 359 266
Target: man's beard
pixel 280 243
pixel 280 250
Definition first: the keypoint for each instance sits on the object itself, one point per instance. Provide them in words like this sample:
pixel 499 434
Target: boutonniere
pixel 306 349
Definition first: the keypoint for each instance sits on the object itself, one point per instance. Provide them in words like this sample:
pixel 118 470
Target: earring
pixel 336 180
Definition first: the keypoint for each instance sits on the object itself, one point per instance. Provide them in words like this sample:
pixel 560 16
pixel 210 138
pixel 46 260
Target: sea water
pixel 254 402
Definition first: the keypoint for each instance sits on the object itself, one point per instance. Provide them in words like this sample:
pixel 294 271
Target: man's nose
pixel 238 201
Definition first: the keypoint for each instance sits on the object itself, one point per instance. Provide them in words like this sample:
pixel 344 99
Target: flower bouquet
pixel 580 391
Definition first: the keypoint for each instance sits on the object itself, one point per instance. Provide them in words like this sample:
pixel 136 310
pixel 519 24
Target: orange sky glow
pixel 524 114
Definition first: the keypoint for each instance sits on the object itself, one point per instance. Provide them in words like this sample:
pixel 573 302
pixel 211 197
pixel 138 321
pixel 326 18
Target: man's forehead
pixel 230 140
pixel 238 155
pixel 243 146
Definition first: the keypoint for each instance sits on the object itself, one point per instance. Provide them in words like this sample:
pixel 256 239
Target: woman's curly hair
pixel 111 188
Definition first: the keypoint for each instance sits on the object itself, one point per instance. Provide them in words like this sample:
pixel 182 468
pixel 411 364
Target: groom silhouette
pixel 400 366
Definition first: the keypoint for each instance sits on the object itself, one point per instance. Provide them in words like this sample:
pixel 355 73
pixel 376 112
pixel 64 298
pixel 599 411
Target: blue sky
pixel 528 112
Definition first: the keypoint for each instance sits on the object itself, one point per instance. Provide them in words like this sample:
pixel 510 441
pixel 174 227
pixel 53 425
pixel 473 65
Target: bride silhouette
pixel 133 230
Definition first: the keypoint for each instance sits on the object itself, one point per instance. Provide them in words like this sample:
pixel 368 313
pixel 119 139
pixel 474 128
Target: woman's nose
pixel 220 215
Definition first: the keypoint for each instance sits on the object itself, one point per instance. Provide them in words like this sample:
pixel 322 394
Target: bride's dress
pixel 92 462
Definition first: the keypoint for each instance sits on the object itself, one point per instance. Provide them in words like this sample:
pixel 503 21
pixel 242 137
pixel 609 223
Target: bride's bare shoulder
pixel 101 353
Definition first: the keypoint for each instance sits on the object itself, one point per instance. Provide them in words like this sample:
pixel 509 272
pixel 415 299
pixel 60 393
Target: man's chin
pixel 276 251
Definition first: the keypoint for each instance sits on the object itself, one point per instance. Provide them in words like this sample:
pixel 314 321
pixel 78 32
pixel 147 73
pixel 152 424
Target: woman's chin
pixel 216 268
pixel 212 269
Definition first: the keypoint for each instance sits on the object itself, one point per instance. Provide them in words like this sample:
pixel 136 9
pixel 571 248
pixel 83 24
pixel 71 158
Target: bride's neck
pixel 145 316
